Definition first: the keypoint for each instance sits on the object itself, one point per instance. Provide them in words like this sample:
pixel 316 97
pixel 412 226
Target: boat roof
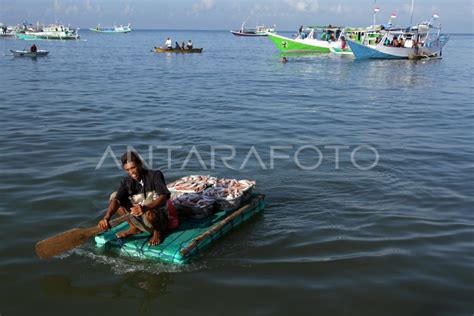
pixel 325 27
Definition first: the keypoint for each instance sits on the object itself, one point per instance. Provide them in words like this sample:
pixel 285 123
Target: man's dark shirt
pixel 153 184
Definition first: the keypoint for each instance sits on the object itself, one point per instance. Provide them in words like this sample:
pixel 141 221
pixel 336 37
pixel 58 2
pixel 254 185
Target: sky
pixel 456 16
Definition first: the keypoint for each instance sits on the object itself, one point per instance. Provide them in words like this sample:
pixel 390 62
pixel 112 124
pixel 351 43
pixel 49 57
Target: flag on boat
pixel 393 15
pixel 435 16
pixel 376 9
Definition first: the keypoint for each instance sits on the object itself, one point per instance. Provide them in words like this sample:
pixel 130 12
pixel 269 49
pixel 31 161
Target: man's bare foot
pixel 155 239
pixel 128 232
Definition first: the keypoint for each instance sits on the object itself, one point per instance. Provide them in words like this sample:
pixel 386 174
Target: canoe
pixel 27 53
pixel 165 50
pixel 179 246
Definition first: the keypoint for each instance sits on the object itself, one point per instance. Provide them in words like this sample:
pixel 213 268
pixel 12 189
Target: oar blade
pixel 63 242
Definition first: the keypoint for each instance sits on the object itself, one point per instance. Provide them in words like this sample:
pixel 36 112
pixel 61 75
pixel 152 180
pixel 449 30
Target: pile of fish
pixel 229 189
pixel 191 184
pixel 200 196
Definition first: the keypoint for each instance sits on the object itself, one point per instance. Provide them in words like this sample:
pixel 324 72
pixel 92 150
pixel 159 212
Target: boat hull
pixel 249 34
pixel 21 53
pixel 341 52
pixel 381 51
pixel 179 246
pixel 371 52
pixel 289 45
pixel 178 51
pixel 105 31
pixel 35 37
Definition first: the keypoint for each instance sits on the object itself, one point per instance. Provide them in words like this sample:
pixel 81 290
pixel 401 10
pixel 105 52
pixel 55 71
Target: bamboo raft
pixel 179 246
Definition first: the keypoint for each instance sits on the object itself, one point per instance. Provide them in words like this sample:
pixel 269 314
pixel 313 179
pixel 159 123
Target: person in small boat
pixel 183 45
pixel 33 48
pixel 189 45
pixel 176 45
pixel 168 43
pixel 139 186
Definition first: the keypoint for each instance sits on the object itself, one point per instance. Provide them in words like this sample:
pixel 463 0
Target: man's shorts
pixel 142 223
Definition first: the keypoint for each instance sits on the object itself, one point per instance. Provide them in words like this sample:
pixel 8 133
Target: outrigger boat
pixel 51 32
pixel 175 50
pixel 259 30
pixel 26 53
pixel 315 39
pixel 115 29
pixel 421 41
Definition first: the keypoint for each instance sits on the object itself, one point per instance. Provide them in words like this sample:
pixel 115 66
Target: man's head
pixel 132 164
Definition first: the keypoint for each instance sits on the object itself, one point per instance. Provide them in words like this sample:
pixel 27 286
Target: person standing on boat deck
pixel 169 43
pixel 143 194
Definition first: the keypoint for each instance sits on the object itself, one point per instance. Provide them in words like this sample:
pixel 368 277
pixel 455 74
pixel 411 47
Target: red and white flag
pixel 376 9
pixel 435 16
pixel 393 15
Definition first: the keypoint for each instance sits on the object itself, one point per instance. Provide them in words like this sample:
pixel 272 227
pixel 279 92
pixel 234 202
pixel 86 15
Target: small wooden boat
pixel 180 245
pixel 27 53
pixel 174 50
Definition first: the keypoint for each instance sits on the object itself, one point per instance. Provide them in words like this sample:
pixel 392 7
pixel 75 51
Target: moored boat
pixel 259 30
pixel 317 39
pixel 26 53
pixel 421 41
pixel 175 50
pixel 115 29
pixel 51 32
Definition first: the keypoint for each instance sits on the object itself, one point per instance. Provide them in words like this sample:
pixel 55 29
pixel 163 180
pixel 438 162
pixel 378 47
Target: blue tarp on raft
pixel 181 244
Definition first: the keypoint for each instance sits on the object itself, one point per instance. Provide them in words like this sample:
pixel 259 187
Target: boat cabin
pixel 323 33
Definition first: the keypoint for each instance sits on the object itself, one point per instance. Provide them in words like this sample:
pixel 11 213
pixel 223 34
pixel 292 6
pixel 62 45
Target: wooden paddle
pixel 71 239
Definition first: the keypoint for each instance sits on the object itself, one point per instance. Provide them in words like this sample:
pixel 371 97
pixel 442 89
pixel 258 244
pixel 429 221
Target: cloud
pixel 128 10
pixel 309 6
pixel 203 6
pixel 56 5
pixel 73 9
pixel 92 8
pixel 67 10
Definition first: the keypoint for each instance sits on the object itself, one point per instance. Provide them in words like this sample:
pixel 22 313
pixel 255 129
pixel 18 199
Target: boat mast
pixel 376 9
pixel 412 7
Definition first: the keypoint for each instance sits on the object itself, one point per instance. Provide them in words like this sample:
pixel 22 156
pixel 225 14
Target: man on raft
pixel 143 194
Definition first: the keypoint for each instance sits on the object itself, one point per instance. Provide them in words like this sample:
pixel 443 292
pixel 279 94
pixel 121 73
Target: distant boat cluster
pixel 27 31
pixel 380 41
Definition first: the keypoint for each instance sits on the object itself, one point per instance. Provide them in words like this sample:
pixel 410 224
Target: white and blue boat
pixel 115 29
pixel 421 41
